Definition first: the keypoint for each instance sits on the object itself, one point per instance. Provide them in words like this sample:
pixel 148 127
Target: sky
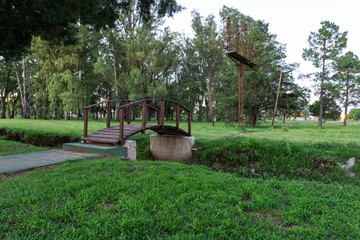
pixel 292 21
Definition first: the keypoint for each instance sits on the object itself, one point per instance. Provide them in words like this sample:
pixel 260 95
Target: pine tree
pixel 324 45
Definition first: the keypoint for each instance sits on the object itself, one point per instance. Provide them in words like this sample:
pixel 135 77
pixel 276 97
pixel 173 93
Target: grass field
pixel 265 194
pixel 300 131
pixel 307 131
pixel 114 199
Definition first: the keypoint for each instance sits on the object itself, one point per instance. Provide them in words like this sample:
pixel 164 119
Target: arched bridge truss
pixel 117 134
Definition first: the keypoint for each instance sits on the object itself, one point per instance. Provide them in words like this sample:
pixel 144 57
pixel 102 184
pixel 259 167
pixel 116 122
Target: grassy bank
pixel 294 150
pixel 109 198
pixel 10 147
pixel 264 158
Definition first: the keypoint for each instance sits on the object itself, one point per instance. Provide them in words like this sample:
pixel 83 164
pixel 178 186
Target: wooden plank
pixel 105 134
pixel 104 137
pixel 115 133
pixel 238 58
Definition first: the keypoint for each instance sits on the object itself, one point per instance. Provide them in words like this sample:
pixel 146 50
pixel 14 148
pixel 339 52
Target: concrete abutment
pixel 171 148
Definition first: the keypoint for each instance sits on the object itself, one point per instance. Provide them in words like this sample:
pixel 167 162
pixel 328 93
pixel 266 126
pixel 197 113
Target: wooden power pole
pixel 241 60
pixel 277 98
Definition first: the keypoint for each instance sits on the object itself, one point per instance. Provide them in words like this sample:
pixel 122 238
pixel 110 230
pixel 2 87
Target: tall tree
pixel 324 45
pixel 7 85
pixel 190 87
pixel 348 78
pixel 354 114
pixel 23 84
pixel 210 52
pixel 332 110
pixel 292 100
pixel 153 61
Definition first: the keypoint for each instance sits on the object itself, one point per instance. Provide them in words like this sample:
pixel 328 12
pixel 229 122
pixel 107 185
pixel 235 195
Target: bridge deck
pixel 111 135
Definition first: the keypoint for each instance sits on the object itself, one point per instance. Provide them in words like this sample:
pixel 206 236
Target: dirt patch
pixel 247 197
pixel 108 204
pixel 320 162
pixel 273 218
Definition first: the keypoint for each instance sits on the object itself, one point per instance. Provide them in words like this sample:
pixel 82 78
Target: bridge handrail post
pixel 177 116
pixel 143 128
pixel 85 121
pixel 128 115
pixel 162 113
pixel 121 127
pixel 108 120
pixel 189 123
pixel 158 117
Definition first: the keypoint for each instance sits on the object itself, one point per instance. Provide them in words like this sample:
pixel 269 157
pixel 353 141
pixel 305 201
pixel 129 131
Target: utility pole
pixel 277 97
pixel 240 58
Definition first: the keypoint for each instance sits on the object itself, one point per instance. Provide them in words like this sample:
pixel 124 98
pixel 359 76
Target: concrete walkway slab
pixel 17 162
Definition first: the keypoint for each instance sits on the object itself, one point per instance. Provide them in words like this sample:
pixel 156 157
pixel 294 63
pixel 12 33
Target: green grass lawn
pixel 307 131
pixel 266 197
pixel 299 131
pixel 114 199
pixel 10 147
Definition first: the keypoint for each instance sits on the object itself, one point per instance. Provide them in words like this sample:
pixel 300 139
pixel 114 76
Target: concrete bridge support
pixel 171 148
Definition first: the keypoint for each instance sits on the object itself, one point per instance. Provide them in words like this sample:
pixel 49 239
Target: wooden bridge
pixel 117 134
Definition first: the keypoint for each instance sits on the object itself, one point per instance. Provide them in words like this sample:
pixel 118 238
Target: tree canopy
pixel 57 21
pixel 128 55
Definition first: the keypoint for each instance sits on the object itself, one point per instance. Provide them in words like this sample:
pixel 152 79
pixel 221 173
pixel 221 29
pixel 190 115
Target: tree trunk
pixel 3 107
pixel 23 93
pixel 211 112
pixel 322 91
pixel 9 110
pixel 346 97
pixel 253 120
pixel 4 95
pixel 26 105
pixel 284 118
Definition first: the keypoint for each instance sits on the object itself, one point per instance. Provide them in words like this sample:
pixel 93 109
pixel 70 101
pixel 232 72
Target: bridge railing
pixel 108 104
pixel 144 108
pixel 161 117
